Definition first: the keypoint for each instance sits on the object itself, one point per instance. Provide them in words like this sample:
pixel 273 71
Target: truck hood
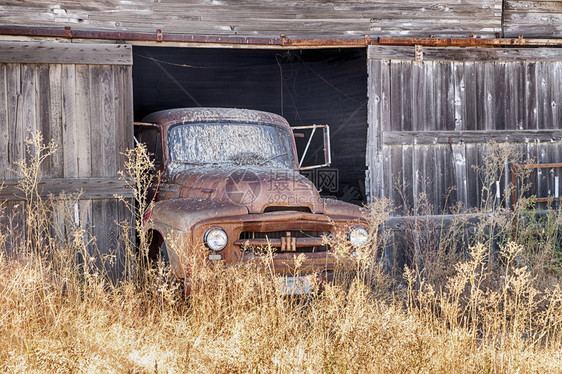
pixel 258 189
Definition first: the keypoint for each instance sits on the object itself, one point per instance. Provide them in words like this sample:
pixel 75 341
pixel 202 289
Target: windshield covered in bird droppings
pixel 237 144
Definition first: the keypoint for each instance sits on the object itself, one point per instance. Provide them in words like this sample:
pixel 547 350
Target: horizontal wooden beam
pixel 65 53
pixel 379 52
pixel 89 188
pixel 482 136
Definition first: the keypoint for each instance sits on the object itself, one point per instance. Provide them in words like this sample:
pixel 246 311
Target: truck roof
pixel 194 115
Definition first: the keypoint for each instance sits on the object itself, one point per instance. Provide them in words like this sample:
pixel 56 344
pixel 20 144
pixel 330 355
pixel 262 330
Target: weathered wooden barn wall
pixel 79 95
pixel 266 18
pixel 430 120
pixel 315 18
pixel 532 18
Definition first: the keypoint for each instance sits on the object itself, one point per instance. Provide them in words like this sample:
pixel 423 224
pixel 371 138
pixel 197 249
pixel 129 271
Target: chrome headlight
pixel 216 239
pixel 358 236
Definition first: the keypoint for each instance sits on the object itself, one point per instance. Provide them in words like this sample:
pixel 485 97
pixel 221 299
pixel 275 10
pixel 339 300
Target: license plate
pixel 294 285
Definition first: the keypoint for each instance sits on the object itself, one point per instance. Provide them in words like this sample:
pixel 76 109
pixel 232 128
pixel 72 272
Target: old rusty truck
pixel 230 186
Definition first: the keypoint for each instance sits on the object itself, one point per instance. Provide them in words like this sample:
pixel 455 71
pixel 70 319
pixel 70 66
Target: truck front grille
pixel 296 241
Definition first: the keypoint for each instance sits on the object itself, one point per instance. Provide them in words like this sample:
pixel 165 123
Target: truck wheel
pixel 164 254
pixel 157 250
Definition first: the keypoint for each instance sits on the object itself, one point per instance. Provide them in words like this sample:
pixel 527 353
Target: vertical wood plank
pixel 83 118
pixel 385 98
pixel 384 123
pixel 4 130
pixel 97 226
pixel 408 194
pixel 489 97
pixel 29 116
pixel 459 96
pixel 500 93
pixel 109 127
pixel 28 81
pixel 69 133
pixel 56 118
pixel 554 87
pixel 377 118
pixel 480 98
pixel 450 194
pixel 110 232
pixel 557 115
pixel 470 98
pixel 372 183
pixel 530 113
pixel 459 166
pixel 43 95
pixel 396 96
pixel 415 173
pixel 520 98
pixel 512 95
pixel 16 146
pixel 421 154
pixel 544 97
pixel 85 216
pixel 97 127
pixel 430 82
pixel 123 125
pixel 406 96
pixel 123 111
pixel 474 153
pixel 417 98
pixel 449 98
pixel 123 214
pixel 394 169
pixel 434 176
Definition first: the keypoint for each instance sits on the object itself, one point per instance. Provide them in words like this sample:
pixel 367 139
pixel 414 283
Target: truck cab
pixel 230 187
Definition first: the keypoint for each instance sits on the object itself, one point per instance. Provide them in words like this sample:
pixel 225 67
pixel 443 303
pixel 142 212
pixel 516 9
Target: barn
pixel 412 90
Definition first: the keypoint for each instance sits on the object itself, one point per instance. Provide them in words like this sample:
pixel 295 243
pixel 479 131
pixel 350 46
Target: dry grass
pixel 491 311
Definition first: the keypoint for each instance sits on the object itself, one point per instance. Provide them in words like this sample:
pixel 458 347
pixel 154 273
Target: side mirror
pixel 315 141
pixel 150 135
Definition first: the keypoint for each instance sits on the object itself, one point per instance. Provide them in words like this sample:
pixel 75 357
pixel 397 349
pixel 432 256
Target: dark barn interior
pixel 319 86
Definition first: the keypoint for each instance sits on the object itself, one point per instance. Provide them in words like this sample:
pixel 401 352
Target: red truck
pixel 230 186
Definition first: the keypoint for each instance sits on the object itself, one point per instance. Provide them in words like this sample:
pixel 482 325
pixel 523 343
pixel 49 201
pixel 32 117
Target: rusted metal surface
pixel 514 175
pixel 255 204
pixel 418 53
pixel 277 188
pixel 161 36
pixel 466 42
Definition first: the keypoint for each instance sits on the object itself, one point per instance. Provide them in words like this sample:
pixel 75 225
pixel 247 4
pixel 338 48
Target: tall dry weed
pixel 493 311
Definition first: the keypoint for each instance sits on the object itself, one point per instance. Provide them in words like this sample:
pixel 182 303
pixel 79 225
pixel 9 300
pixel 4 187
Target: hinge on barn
pixel 418 53
pixel 68 32
pixel 159 35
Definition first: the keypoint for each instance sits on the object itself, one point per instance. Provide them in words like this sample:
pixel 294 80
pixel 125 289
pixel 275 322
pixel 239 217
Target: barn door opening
pixel 307 87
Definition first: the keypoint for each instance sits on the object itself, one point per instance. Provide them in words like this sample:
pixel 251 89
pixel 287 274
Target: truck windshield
pixel 231 144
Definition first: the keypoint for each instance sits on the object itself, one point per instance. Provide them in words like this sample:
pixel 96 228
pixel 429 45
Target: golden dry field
pixel 488 302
